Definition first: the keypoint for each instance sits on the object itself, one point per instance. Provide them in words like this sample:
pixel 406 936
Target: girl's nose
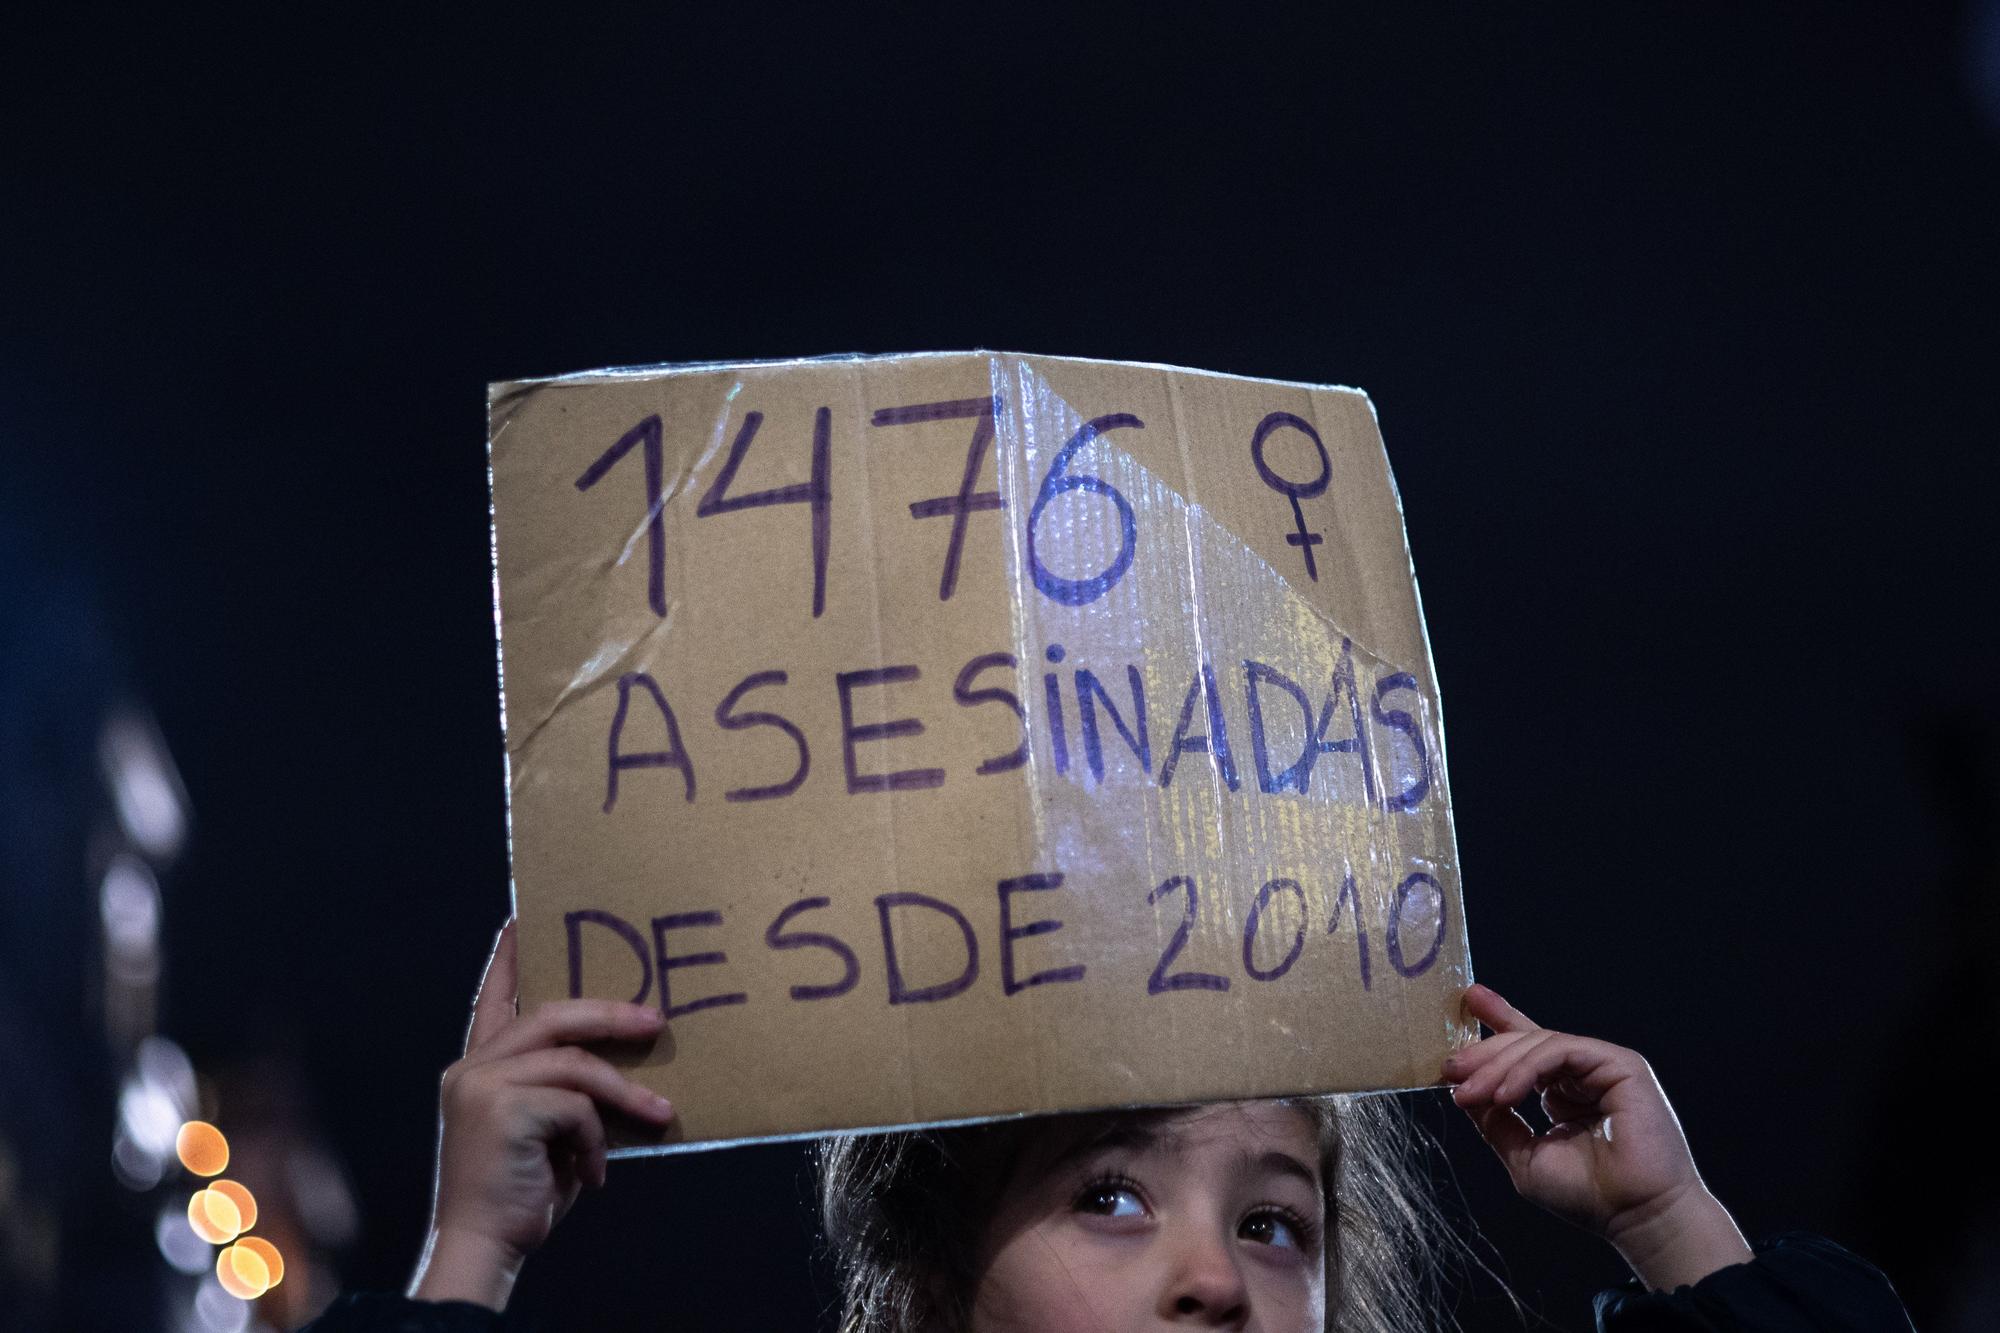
pixel 1205 1287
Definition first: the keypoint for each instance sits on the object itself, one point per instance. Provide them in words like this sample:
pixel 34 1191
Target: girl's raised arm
pixel 1613 1160
pixel 521 1131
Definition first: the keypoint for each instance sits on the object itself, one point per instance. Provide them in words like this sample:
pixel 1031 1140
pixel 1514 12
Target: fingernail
pixel 646 1012
pixel 662 1105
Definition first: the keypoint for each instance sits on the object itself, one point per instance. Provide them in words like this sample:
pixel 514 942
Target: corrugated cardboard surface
pixel 834 843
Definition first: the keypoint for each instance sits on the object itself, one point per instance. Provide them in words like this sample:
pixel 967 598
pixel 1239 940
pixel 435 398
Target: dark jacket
pixel 1797 1284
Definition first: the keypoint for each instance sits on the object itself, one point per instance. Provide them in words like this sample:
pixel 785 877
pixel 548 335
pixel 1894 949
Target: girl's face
pixel 1212 1217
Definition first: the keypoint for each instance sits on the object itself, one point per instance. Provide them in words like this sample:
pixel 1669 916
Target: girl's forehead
pixel 1235 1122
pixel 1175 1131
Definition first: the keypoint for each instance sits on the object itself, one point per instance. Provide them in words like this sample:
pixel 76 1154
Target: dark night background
pixel 1682 324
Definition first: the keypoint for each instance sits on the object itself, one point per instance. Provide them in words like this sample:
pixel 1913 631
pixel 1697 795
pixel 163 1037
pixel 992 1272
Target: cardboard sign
pixel 953 736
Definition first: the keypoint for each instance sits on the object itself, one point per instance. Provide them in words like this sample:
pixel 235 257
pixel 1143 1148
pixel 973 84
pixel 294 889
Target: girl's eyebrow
pixel 1144 1138
pixel 1279 1163
pixel 1117 1135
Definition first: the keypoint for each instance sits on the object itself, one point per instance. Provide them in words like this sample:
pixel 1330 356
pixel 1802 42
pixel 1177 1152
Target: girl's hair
pixel 904 1214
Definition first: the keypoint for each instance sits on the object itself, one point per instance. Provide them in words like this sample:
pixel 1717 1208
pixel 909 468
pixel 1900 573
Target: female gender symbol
pixel 1292 490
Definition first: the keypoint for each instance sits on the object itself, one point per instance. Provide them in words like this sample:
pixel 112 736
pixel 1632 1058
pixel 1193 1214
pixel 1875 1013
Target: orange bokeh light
pixel 212 1216
pixel 242 1273
pixel 246 1203
pixel 223 1214
pixel 273 1261
pixel 202 1148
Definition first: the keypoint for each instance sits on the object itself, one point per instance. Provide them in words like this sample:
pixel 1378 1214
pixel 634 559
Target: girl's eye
pixel 1109 1198
pixel 1269 1228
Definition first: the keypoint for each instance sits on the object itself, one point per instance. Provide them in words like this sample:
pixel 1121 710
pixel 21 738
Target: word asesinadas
pixel 1275 930
pixel 1361 721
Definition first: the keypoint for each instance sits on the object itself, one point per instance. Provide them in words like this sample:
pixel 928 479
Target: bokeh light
pixel 152 804
pixel 268 1252
pixel 216 1311
pixel 137 1170
pixel 147 1115
pixel 202 1148
pixel 165 1066
pixel 222 1212
pixel 197 1215
pixel 214 1217
pixel 129 903
pixel 187 1252
pixel 242 1273
pixel 246 1203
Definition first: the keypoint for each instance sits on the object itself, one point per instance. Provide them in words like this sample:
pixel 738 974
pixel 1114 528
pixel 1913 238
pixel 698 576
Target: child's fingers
pixel 571 1022
pixel 565 1118
pixel 1592 1067
pixel 493 1003
pixel 578 1070
pixel 1563 1102
pixel 1489 1007
pixel 1511 1138
pixel 1463 1064
pixel 1540 1059
pixel 1482 1084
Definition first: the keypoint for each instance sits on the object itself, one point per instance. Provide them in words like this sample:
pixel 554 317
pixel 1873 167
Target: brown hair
pixel 904 1214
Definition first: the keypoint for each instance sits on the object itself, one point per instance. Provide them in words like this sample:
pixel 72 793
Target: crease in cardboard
pixel 719 432
pixel 1189 512
pixel 613 658
pixel 1340 529
pixel 502 407
pixel 608 665
pixel 911 1071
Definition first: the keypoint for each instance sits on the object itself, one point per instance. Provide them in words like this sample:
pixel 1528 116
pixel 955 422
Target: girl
pixel 1292 1216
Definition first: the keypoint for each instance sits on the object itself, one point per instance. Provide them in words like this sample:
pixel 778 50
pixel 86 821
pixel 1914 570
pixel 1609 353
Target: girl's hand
pixel 1613 1159
pixel 521 1132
